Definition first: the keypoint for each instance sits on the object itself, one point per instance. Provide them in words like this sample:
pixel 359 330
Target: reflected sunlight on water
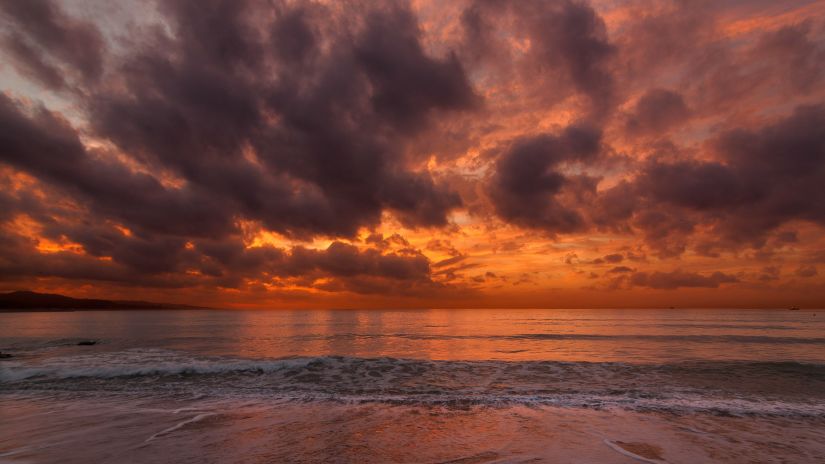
pixel 636 336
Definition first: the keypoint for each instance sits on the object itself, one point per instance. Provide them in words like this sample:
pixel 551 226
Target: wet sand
pixel 110 430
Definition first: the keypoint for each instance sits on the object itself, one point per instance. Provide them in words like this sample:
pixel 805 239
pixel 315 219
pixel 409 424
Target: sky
pixel 462 154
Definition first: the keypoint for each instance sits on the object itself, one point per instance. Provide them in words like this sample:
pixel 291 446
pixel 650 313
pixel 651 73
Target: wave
pixel 161 362
pixel 138 362
pixel 716 387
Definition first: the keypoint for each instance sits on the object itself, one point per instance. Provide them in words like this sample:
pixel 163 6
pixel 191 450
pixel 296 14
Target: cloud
pixel 620 270
pixel 44 42
pixel 613 258
pixel 407 84
pixel 112 257
pixel 219 127
pixel 806 271
pixel 343 260
pixel 680 279
pixel 762 179
pixel 317 155
pixel 657 111
pixel 528 189
pixel 568 49
pixel 169 148
pixel 795 53
pixel 43 144
pixel 769 273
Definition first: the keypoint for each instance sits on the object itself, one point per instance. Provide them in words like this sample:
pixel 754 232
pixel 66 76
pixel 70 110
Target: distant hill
pixel 32 301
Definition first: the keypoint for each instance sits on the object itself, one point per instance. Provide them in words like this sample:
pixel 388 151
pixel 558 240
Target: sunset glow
pixel 468 154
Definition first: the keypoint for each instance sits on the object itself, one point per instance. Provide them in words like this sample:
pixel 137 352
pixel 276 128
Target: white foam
pixel 139 362
pixel 179 425
pixel 358 380
pixel 619 449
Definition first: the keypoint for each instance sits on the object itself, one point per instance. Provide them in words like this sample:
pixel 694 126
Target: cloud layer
pixel 422 151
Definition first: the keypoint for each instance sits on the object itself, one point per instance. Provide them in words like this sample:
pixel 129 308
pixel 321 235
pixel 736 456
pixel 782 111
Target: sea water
pixel 416 386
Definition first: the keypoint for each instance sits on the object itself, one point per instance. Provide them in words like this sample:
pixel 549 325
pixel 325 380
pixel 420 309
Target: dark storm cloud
pixel 219 105
pixel 614 207
pixel 327 127
pixel 194 114
pixel 568 40
pixel 577 36
pixel 693 184
pixel 529 190
pixel 43 32
pixel 285 115
pixel 751 182
pixel 46 146
pixel 406 83
pixel 763 178
pixel 656 111
pixel 29 63
pixel 679 279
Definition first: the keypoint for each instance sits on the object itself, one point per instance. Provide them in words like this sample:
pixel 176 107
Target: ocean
pixel 413 386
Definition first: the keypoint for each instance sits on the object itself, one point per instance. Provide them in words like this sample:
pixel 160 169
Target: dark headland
pixel 33 301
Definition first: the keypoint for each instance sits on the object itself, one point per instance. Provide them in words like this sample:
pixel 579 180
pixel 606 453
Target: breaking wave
pixel 718 387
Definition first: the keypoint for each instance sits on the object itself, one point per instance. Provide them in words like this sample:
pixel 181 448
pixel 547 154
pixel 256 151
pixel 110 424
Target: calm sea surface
pixel 413 386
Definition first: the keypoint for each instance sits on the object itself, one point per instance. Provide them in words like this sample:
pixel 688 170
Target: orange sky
pixel 426 154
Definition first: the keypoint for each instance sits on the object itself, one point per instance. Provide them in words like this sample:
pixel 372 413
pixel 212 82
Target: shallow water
pixel 413 386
